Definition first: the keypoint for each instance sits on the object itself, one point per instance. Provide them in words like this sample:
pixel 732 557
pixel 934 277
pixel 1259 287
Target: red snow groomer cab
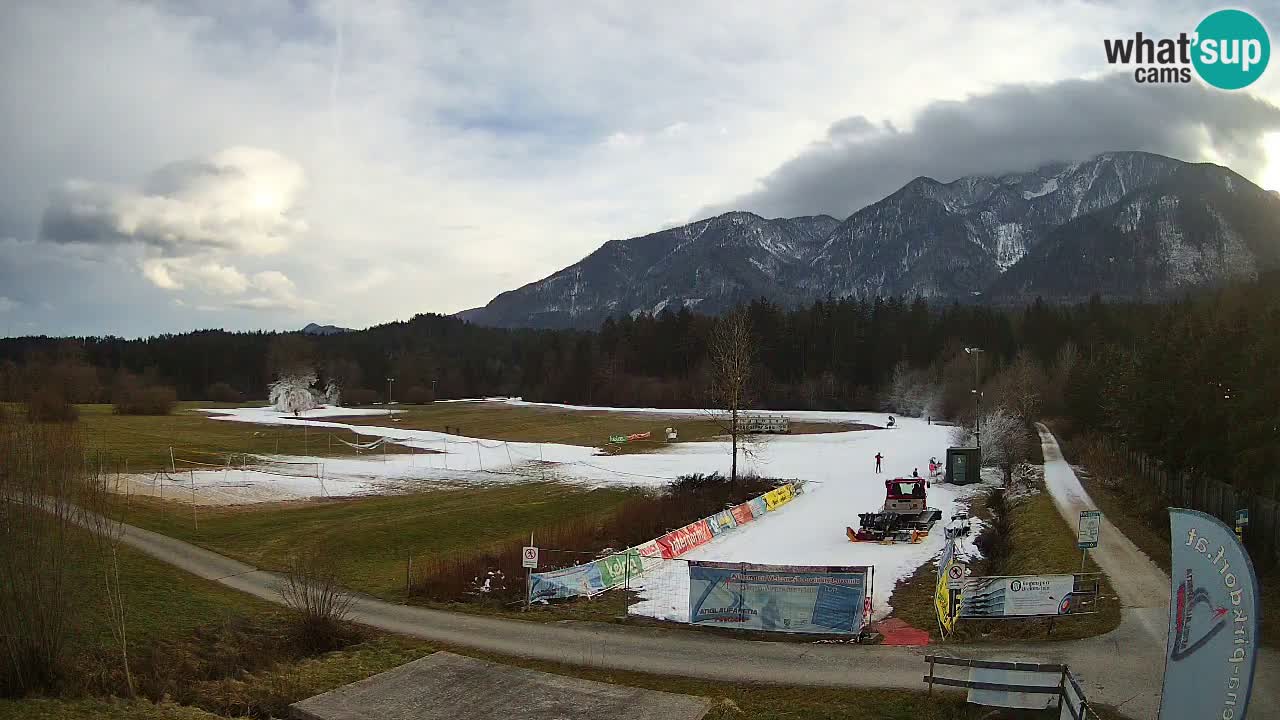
pixel 905 516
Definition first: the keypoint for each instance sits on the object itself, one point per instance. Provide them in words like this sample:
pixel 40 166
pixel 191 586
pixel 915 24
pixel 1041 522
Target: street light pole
pixel 389 381
pixel 977 395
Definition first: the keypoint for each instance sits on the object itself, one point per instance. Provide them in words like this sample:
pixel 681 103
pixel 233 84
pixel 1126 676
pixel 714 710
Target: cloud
pixel 190 220
pixel 6 304
pixel 1015 128
pixel 240 199
pixel 275 291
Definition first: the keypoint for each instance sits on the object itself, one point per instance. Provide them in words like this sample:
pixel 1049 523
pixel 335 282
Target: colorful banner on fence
pixel 613 571
pixel 780 598
pixel 778 497
pixel 1018 596
pixel 570 582
pixel 722 521
pixel 1213 621
pixel 616 569
pixel 678 542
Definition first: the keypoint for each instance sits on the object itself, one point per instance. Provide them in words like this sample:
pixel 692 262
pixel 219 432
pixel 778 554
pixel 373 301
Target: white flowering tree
pixel 292 393
pixel 332 393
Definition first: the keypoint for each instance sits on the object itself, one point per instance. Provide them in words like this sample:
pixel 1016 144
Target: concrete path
pixel 1122 668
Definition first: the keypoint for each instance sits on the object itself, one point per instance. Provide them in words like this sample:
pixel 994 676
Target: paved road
pixel 1122 668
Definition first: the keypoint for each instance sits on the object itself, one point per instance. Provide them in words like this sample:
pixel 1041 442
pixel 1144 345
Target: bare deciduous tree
pixel 731 350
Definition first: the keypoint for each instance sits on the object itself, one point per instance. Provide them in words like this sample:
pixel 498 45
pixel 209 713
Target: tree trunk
pixel 733 472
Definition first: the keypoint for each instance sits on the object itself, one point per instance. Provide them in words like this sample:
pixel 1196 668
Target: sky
pixel 262 164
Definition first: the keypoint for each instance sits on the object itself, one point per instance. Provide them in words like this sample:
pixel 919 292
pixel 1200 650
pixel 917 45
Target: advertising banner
pixel 758 507
pixel 781 598
pixel 678 542
pixel 778 497
pixel 567 583
pixel 946 597
pixel 617 439
pixel 650 555
pixel 616 569
pixel 722 521
pixel 639 436
pixel 1018 596
pixel 742 514
pixel 1213 621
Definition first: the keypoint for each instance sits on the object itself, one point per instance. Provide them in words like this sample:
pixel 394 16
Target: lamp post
pixel 433 390
pixel 977 395
pixel 389 381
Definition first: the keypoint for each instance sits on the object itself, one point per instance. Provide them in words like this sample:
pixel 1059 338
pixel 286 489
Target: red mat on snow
pixel 897 632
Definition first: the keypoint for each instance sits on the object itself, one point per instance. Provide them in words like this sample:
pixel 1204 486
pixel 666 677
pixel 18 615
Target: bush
pixel 223 393
pixel 132 397
pixel 312 589
pixel 49 404
pixel 361 396
pixel 418 395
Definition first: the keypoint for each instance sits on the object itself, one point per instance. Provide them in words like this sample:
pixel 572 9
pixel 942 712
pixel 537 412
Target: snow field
pixel 838 469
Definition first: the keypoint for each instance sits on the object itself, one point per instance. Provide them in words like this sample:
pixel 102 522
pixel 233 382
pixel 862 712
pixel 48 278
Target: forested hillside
pixel 1191 382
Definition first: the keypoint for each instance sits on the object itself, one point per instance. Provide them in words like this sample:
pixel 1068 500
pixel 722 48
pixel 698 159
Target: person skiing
pixel 879 457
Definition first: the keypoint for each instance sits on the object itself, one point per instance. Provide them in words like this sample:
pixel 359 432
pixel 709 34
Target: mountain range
pixel 1122 225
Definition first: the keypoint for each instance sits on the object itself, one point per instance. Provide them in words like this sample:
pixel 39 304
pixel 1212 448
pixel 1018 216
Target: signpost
pixel 1089 534
pixel 1242 521
pixel 529 560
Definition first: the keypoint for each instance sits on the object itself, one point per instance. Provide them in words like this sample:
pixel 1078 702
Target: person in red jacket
pixel 879 457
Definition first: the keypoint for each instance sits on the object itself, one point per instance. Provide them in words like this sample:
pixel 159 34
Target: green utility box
pixel 964 465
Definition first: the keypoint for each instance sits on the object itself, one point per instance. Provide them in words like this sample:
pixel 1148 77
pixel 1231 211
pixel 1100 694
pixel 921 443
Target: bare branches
pixel 731 350
pixel 312 589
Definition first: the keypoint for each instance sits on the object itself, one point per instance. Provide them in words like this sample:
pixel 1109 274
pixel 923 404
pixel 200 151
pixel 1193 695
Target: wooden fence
pixel 1261 537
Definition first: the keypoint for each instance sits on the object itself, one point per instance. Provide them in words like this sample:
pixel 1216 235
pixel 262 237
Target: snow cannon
pixel 905 517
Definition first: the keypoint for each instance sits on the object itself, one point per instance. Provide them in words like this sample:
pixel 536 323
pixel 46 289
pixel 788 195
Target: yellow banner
pixel 778 497
pixel 947 608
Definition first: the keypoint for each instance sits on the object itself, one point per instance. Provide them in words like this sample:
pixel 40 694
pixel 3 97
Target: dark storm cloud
pixel 1011 129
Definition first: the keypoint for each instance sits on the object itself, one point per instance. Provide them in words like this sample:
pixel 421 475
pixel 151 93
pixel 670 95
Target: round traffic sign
pixel 955 572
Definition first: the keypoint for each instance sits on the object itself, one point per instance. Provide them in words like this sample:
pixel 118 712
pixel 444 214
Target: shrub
pixel 133 397
pixel 361 396
pixel 312 589
pixel 224 393
pixel 418 395
pixel 49 404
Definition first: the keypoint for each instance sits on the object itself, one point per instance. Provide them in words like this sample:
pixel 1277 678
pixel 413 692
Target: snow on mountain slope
pixel 954 240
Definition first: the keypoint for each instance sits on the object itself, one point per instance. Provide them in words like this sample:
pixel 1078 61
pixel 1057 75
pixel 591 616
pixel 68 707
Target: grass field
pixel 590 428
pixel 140 443
pixel 370 537
pixel 171 609
pixel 1042 543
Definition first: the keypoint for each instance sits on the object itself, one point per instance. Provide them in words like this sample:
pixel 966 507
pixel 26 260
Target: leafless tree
pixel 1006 440
pixel 731 350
